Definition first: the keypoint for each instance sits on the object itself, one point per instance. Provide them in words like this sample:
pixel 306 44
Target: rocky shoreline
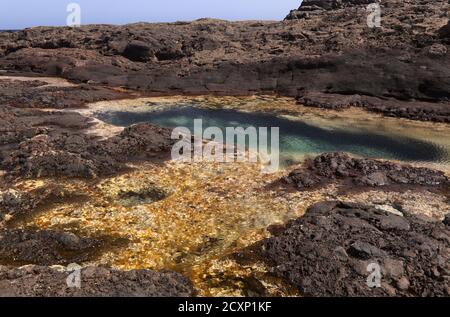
pixel 323 55
pixel 327 252
pixel 349 172
pixel 41 281
pixel 400 69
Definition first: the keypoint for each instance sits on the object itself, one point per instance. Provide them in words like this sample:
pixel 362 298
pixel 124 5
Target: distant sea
pixel 9 30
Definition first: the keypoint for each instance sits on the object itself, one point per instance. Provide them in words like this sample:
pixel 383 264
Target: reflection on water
pixel 297 137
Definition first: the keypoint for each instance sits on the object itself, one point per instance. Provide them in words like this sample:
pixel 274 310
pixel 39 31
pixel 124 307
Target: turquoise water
pixel 297 138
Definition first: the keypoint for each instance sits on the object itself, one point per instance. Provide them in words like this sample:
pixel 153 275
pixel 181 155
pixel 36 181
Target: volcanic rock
pixel 39 281
pixel 316 7
pixel 447 220
pixel 345 170
pixel 37 94
pixel 333 51
pixel 415 110
pixel 20 247
pixel 333 249
pixel 77 154
pixel 14 203
pixel 444 32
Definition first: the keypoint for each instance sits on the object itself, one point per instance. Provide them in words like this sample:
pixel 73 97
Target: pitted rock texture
pixel 77 154
pixel 327 252
pixel 346 170
pixel 39 281
pixel 15 203
pixel 310 8
pixel 37 94
pixel 415 110
pixel 444 32
pixel 21 247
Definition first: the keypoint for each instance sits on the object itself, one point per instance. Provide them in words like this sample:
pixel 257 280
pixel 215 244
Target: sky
pixel 19 14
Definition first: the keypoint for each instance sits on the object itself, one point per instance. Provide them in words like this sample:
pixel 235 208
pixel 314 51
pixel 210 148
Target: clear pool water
pixel 297 138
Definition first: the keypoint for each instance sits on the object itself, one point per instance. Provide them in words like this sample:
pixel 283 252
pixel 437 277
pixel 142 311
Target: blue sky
pixel 17 14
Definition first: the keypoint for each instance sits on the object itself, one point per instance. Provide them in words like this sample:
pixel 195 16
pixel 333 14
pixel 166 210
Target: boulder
pixel 444 32
pixel 336 247
pixel 349 171
pixel 138 51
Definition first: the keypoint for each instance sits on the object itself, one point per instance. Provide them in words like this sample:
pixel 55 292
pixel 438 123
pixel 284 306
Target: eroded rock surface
pixel 346 170
pixel 327 48
pixel 311 8
pixel 415 110
pixel 77 154
pixel 42 281
pixel 327 252
pixel 444 32
pixel 326 56
pixel 20 247
pixel 15 203
pixel 38 94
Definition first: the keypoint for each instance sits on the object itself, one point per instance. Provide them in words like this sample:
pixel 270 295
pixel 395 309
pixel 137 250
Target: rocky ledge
pixel 349 172
pixel 77 154
pixel 44 252
pixel 19 246
pixel 335 247
pixel 39 281
pixel 390 107
pixel 311 8
pixel 324 47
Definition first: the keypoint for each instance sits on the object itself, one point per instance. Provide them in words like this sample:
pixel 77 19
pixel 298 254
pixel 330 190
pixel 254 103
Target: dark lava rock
pixel 138 51
pixel 13 202
pixel 444 32
pixel 327 252
pixel 39 143
pixel 447 220
pixel 15 126
pixel 20 247
pixel 37 94
pixel 346 170
pixel 146 196
pixel 77 154
pixel 326 101
pixel 42 156
pixel 316 7
pixel 139 140
pixel 332 47
pixel 38 281
pixel 414 110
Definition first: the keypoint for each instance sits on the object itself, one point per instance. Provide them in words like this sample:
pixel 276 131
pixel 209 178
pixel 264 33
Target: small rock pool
pixel 192 218
pixel 306 134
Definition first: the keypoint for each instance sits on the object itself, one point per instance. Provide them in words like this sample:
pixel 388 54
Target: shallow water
pixel 300 136
pixel 192 217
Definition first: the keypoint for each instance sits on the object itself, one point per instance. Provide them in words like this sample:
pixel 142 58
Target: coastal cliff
pixel 324 47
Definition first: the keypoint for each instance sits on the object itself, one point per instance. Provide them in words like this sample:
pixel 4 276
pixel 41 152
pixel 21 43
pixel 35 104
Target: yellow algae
pixel 212 210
